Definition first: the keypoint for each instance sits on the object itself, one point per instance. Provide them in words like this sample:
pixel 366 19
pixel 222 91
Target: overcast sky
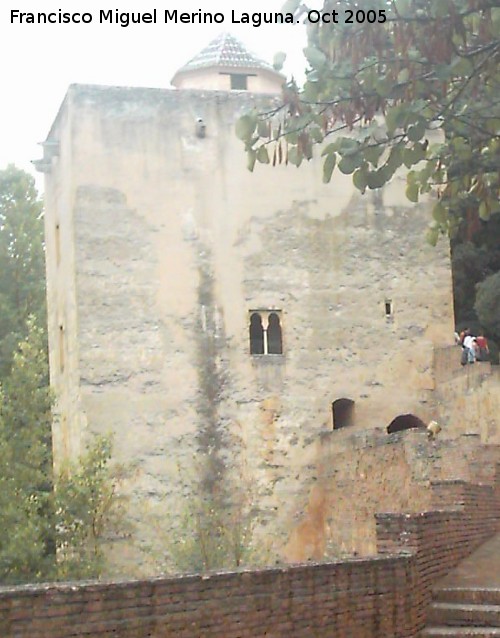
pixel 40 61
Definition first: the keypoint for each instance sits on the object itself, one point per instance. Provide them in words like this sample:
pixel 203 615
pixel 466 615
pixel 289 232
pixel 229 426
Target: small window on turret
pixel 239 82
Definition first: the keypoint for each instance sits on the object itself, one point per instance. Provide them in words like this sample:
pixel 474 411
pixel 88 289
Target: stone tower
pixel 199 310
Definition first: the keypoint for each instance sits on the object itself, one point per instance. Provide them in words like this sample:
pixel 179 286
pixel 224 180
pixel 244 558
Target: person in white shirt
pixel 469 344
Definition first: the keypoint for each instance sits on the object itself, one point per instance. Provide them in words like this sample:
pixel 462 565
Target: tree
pixel 488 305
pixel 405 83
pixel 27 543
pixel 471 262
pixel 51 525
pixel 86 508
pixel 22 261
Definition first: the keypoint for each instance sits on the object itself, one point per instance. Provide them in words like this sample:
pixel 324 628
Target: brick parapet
pixel 359 597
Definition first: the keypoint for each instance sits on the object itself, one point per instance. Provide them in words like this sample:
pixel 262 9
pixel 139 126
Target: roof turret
pixel 226 52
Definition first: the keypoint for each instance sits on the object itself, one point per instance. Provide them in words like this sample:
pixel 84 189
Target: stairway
pixel 466 603
pixel 464 612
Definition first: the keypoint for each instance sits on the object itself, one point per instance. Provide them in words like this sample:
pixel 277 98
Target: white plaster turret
pixel 226 65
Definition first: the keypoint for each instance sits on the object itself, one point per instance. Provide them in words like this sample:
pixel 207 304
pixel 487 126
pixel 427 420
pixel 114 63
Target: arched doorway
pixel 405 422
pixel 342 413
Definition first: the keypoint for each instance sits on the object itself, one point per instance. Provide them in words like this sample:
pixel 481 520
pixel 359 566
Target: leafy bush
pixel 488 305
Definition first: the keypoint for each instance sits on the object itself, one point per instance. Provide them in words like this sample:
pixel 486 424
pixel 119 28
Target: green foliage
pixel 488 305
pixel 50 527
pixel 47 533
pixel 474 256
pixel 212 532
pixel 27 544
pixel 86 507
pixel 279 60
pixel 211 537
pixel 22 261
pixel 416 91
pixel 471 264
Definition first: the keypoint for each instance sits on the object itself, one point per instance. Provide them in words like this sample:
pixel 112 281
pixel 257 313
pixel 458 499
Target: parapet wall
pixel 380 597
pixel 356 474
pixel 297 601
pixel 467 397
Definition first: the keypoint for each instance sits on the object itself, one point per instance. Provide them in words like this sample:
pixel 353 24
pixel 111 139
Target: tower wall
pixel 168 245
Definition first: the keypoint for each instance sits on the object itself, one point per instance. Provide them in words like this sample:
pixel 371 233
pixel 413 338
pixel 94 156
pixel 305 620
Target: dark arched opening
pixel 405 422
pixel 274 339
pixel 256 334
pixel 342 413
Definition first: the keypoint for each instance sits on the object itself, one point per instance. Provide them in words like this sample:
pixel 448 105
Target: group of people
pixel 473 348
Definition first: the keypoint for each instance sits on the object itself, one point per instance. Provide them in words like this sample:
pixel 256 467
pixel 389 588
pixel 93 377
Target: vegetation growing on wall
pixel 212 436
pixel 210 534
pixel 213 440
pixel 215 517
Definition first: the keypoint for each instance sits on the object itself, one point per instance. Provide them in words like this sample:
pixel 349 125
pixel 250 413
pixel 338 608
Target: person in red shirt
pixel 483 350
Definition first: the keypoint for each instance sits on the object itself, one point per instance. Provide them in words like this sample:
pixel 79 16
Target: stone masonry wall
pixel 355 474
pixel 170 243
pixel 467 397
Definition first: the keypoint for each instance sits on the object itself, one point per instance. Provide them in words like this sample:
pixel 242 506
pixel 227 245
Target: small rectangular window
pixel 389 308
pixel 58 244
pixel 239 82
pixel 61 348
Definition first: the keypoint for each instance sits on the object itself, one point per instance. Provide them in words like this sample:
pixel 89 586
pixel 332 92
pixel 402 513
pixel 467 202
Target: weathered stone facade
pixel 160 244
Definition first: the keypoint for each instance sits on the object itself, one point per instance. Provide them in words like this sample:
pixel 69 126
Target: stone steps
pixel 456 612
pixel 461 632
pixel 464 614
pixel 467 595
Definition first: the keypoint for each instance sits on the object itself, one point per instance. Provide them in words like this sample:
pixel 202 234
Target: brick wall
pixel 381 597
pixel 356 599
pixel 468 514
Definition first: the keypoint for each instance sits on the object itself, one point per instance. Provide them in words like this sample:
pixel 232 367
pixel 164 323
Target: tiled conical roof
pixel 225 51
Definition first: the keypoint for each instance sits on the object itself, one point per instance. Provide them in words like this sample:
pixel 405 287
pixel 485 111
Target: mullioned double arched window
pixel 265 332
